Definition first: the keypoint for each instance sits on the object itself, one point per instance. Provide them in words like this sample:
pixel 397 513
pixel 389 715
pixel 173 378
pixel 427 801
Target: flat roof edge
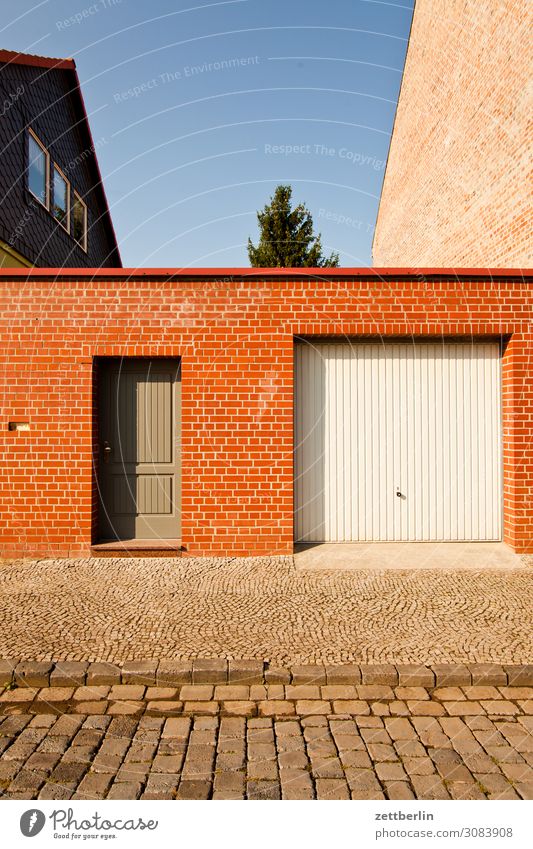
pixel 323 273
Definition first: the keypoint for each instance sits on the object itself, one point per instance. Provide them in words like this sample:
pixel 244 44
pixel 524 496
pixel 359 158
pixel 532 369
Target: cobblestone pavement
pixel 119 609
pixel 293 742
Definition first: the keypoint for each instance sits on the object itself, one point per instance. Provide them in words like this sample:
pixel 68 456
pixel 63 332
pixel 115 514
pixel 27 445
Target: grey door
pixel 139 461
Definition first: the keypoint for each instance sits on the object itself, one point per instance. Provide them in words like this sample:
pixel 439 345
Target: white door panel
pixel 423 418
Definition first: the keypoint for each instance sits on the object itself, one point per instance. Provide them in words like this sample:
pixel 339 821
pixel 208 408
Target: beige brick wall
pixel 458 181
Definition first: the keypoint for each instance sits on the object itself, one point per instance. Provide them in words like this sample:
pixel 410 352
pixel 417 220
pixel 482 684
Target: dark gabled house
pixel 53 208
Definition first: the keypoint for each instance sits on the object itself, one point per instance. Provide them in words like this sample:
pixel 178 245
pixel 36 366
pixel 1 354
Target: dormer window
pixel 61 201
pixel 38 169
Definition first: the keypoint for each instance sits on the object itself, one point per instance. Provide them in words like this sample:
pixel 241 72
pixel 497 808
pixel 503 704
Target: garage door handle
pixel 398 493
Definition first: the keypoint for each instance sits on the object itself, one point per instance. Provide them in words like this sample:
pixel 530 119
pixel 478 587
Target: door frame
pixel 353 339
pixel 100 363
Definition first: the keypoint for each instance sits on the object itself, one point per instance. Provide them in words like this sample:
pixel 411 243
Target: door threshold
pixel 137 548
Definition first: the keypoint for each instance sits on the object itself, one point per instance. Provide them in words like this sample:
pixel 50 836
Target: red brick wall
pixel 235 335
pixel 457 185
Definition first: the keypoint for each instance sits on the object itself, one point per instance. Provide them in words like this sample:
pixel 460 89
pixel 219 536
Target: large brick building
pixel 457 188
pixel 236 411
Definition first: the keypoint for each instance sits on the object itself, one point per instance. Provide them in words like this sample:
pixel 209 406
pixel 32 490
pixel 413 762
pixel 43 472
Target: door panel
pixel 397 441
pixel 139 431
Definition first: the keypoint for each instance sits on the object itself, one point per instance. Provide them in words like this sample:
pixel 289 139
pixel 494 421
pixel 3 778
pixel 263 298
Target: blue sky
pixel 199 109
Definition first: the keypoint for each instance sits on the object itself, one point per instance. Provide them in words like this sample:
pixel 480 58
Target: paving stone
pixel 450 694
pixel 306 707
pixel 125 708
pixel 488 673
pixel 232 692
pixel 238 708
pixel 69 673
pixel 397 708
pixel 398 790
pixel 43 761
pixel 245 672
pixel 477 693
pixel 418 766
pixel 91 694
pixel 363 784
pixel 94 786
pixel 196 692
pixel 464 790
pixel 91 707
pixel 465 708
pixel 156 693
pixel 125 790
pixel 338 691
pixel 140 672
pixel 500 707
pixel 379 674
pixel 332 788
pixel 412 693
pixel 346 673
pixel 415 675
pixel 132 692
pixel 174 673
pixel 350 758
pixel 277 675
pixel 354 707
pixel 31 673
pixel 520 675
pixel 208 708
pixel 176 728
pixel 374 691
pixel 525 790
pixel 263 790
pixel 400 729
pixel 492 782
pixel 296 784
pixel 7 670
pixel 55 694
pixel 516 693
pixel 276 707
pixel 166 708
pixel 230 782
pixel 451 675
pixel 308 674
pixel 55 791
pixel 209 671
pixel 99 674
pixel 19 695
pixel 425 708
pixel 429 787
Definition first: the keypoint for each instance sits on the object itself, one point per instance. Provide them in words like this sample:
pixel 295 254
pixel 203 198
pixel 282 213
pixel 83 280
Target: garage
pixel 397 441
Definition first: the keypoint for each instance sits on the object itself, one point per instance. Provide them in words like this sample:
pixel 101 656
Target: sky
pixel 200 109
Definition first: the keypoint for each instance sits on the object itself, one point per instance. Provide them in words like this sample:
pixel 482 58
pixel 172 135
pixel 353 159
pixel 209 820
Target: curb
pixel 27 673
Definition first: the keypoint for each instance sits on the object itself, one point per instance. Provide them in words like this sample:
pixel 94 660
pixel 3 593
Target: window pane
pixel 60 198
pixel 78 221
pixel 37 170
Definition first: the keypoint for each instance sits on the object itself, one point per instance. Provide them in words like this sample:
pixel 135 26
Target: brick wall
pixel 457 186
pixel 235 335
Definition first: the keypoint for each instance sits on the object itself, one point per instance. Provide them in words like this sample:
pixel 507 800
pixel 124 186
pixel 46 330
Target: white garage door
pixel 397 441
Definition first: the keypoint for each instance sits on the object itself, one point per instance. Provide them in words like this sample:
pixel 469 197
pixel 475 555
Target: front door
pixel 139 459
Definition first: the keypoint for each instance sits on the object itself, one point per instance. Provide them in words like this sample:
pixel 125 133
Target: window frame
pixel 66 223
pixel 77 197
pixel 37 140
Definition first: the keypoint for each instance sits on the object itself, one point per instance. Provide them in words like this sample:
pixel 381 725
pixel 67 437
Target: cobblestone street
pixel 295 742
pixel 119 609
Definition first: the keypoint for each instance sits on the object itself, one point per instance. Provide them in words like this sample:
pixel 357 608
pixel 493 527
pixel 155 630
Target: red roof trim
pixel 325 273
pixel 15 58
pixel 12 57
